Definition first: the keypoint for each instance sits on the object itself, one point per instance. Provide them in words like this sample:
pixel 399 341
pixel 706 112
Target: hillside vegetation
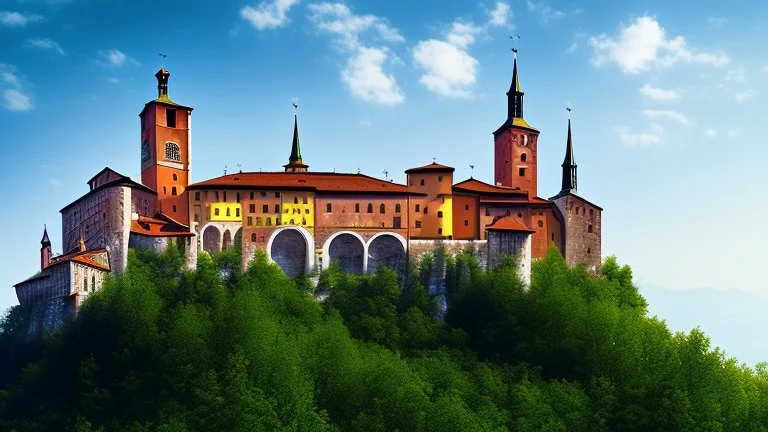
pixel 164 349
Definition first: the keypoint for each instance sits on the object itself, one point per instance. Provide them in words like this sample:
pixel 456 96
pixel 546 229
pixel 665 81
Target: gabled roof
pixel 85 258
pixel 509 223
pixel 121 181
pixel 433 167
pixel 477 186
pixel 159 227
pixel 579 197
pixel 311 181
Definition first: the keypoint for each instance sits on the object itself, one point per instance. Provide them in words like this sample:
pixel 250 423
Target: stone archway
pixel 211 239
pixel 290 249
pixel 386 250
pixel 348 250
pixel 226 241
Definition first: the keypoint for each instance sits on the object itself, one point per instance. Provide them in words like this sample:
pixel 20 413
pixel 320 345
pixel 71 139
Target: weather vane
pixel 471 171
pixel 514 47
pixel 385 172
pixel 162 57
pixel 569 109
pixel 225 169
pixel 295 106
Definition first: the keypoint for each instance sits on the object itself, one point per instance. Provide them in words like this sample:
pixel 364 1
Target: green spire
pixel 515 95
pixel 295 164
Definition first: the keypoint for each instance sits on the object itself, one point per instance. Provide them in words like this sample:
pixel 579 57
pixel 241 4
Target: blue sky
pixel 665 103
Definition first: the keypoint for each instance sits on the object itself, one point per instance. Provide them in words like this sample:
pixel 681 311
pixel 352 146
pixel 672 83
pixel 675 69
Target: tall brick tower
pixel 165 150
pixel 515 155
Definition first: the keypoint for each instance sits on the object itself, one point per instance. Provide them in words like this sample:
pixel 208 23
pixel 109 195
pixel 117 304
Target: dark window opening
pixel 426 210
pixel 521 171
pixel 357 207
pixel 439 178
pixel 295 200
pixel 237 197
pixel 217 196
pixel 439 230
pixel 439 215
pixel 197 217
pixel 229 212
pixel 589 228
pixel 553 236
pixel 519 215
pixel 277 194
pixel 422 182
pixel 174 208
pixel 328 208
pixel 589 251
pixel 487 212
pixel 170 117
pixel 590 212
pixel 397 208
pixel 225 196
pixel 277 208
pixel 265 208
pixel 252 208
pixel 466 222
pixel 215 212
pixel 466 206
pixel 250 220
pixel 172 152
pixel 175 177
pixel 237 212
pixel 418 224
pixel 165 191
pixel 253 237
pixel 370 208
pixel 251 194
pixel 382 209
pixel 197 196
pixel 418 208
pixel 269 221
pixel 541 224
pixel 523 157
pixel 396 222
pixel 304 200
pixel 173 190
pixel 306 211
pixel 258 221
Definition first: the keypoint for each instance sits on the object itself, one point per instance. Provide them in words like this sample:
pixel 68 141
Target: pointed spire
pixel 569 163
pixel 162 82
pixel 295 164
pixel 515 94
pixel 45 241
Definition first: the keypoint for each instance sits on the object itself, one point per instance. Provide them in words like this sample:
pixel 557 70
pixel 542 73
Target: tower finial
pixel 569 109
pixel 569 163
pixel 162 82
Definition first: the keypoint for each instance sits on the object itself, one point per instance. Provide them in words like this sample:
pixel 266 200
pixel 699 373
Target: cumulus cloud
pixel 46 44
pixel 17 19
pixel 658 94
pixel 12 90
pixel 364 73
pixel 647 138
pixel 667 114
pixel 643 45
pixel 545 11
pixel 448 68
pixel 499 15
pixel 268 15
pixel 116 58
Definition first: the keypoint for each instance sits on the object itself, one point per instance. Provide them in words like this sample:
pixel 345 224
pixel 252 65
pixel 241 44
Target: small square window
pixel 277 194
pixel 439 178
pixel 466 206
pixel 418 208
pixel 418 224
pixel 197 196
pixel 329 208
pixel 466 222
pixel 521 171
pixel 265 208
pixel 252 208
pixel 589 228
pixel 277 208
pixel 439 230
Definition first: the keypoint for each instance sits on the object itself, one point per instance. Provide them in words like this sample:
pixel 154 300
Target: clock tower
pixel 165 151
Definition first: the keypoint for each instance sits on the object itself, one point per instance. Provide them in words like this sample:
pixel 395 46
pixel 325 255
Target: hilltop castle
pixel 307 220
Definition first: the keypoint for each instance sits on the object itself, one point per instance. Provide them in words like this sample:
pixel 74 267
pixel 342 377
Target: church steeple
pixel 45 249
pixel 569 163
pixel 295 164
pixel 515 95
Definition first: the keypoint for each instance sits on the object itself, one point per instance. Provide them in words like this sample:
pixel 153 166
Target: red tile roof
pixel 509 223
pixel 474 185
pixel 313 181
pixel 433 167
pixel 153 227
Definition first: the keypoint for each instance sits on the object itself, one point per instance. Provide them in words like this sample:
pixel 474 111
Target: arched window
pixel 228 212
pixel 370 208
pixel 172 151
pixel 253 237
pixel 173 190
pixel 439 214
pixel 523 157
pixel 422 182
pixel 397 208
pixel 93 283
pixel 175 177
pixel 357 207
pixel 382 209
pixel 328 208
pixel 295 200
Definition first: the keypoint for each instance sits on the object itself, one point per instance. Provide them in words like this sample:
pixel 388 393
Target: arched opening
pixel 348 251
pixel 238 240
pixel 211 239
pixel 388 251
pixel 227 240
pixel 289 252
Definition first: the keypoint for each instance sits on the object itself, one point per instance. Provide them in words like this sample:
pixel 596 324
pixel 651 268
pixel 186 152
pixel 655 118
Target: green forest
pixel 162 348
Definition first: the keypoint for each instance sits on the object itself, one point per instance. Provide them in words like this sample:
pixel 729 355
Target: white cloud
pixel 366 79
pixel 268 15
pixel 545 11
pixel 658 94
pixel 338 19
pixel 667 114
pixel 744 95
pixel 116 58
pixel 499 15
pixel 642 139
pixel 363 73
pixel 17 19
pixel 710 133
pixel 643 45
pixel 450 70
pixel 12 90
pixel 44 43
pixel 16 100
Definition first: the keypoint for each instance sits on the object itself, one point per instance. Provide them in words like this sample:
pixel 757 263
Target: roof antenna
pixel 225 169
pixel 433 159
pixel 472 171
pixel 358 170
pixel 162 59
pixel 385 173
pixel 240 168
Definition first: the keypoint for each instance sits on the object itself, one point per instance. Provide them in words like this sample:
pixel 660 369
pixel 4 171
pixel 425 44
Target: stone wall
pixel 54 281
pixel 517 244
pixel 583 231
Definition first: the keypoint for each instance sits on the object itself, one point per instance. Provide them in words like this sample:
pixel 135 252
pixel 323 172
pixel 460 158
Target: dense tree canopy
pixel 160 348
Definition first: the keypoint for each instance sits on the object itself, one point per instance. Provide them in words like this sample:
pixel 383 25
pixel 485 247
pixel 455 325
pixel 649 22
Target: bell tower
pixel 166 151
pixel 515 144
